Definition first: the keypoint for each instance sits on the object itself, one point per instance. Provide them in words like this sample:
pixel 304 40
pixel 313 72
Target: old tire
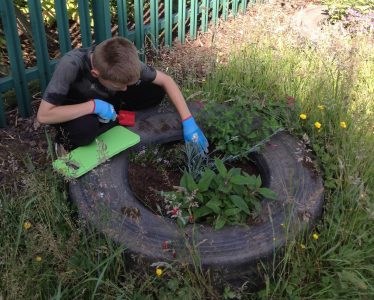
pixel 232 254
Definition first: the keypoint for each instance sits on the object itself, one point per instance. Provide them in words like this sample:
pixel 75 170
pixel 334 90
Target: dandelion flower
pixel 38 258
pixel 302 246
pixel 321 107
pixel 302 116
pixel 315 236
pixel 343 125
pixel 27 225
pixel 317 125
pixel 159 272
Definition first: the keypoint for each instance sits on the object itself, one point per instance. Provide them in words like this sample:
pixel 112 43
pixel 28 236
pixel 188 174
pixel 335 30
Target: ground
pixel 24 143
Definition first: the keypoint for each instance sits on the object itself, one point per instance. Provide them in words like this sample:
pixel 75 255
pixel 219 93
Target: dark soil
pixel 148 181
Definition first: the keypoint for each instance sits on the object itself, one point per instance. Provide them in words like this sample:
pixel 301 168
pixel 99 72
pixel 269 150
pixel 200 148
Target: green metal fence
pixel 179 18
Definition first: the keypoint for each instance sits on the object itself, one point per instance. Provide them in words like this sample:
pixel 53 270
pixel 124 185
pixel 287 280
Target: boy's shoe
pixel 60 150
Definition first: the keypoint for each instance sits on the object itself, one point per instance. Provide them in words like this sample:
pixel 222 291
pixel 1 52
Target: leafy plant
pixel 338 8
pixel 236 128
pixel 219 198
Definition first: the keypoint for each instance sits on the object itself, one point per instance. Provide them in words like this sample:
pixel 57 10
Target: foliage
pixel 219 198
pixel 237 127
pixel 338 9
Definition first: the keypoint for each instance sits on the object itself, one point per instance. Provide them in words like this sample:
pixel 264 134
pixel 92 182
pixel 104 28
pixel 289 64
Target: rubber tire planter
pixel 232 254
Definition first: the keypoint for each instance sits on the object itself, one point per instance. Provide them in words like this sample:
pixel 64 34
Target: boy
pixel 88 87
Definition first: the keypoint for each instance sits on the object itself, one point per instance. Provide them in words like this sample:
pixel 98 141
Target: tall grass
pixel 60 257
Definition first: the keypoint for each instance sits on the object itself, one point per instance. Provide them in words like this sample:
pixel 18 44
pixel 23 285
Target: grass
pixel 77 262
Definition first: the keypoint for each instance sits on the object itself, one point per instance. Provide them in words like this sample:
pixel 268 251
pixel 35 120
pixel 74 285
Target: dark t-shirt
pixel 73 83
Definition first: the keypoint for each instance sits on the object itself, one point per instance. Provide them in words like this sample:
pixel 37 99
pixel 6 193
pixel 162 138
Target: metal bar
pixel 204 15
pixel 15 56
pixel 40 43
pixel 182 21
pixel 168 22
pixel 234 7
pixel 85 23
pixel 139 25
pixel 225 9
pixel 63 26
pixel 154 23
pixel 193 19
pixel 215 11
pixel 122 18
pixel 244 6
pixel 102 23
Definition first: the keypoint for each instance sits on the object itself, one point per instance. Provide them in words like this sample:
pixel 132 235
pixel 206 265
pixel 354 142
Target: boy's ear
pixel 94 73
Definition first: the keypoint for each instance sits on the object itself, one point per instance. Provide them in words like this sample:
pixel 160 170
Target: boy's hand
pixel 192 133
pixel 104 110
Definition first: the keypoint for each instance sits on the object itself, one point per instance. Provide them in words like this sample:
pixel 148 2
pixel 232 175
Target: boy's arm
pixel 191 131
pixel 173 92
pixel 52 114
pixel 49 113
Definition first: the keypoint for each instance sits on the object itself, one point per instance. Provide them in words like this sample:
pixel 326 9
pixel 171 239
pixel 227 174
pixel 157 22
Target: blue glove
pixel 192 133
pixel 104 110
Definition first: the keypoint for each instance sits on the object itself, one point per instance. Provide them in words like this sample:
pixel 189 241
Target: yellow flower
pixel 159 272
pixel 302 116
pixel 343 125
pixel 321 107
pixel 317 125
pixel 315 236
pixel 26 225
pixel 302 246
pixel 38 258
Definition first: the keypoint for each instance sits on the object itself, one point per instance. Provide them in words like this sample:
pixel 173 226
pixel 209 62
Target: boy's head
pixel 115 63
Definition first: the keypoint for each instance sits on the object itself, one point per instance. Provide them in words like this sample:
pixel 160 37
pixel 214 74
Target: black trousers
pixel 82 131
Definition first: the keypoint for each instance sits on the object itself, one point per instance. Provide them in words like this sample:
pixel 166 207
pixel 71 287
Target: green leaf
pixel 188 182
pixel 243 180
pixel 201 212
pixel 214 205
pixel 232 211
pixel 220 222
pixel 240 203
pixel 258 181
pixel 267 193
pixel 205 180
pixel 220 167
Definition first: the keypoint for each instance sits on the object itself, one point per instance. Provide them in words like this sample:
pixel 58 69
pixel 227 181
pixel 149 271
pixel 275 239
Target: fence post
pixel 168 28
pixel 154 23
pixel 182 21
pixel 215 11
pixel 63 26
pixel 15 56
pixel 40 43
pixel 122 18
pixel 102 24
pixel 204 15
pixel 139 26
pixel 193 19
pixel 85 23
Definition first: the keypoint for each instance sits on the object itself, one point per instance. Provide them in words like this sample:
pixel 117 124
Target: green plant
pixel 237 127
pixel 338 8
pixel 220 198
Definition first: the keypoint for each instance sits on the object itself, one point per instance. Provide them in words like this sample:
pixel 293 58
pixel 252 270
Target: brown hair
pixel 117 60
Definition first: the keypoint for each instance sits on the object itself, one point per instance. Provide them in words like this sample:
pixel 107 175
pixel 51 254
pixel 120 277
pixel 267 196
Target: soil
pixel 23 144
pixel 147 181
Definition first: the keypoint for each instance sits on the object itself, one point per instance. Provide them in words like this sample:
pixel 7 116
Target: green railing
pixel 188 16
